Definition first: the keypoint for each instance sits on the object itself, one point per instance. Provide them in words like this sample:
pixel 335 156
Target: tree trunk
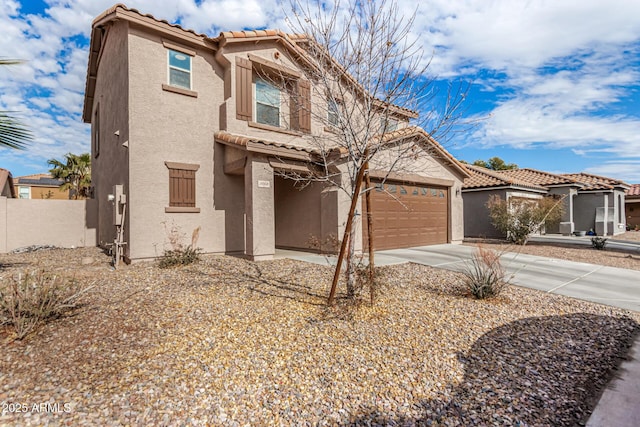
pixel 372 290
pixel 347 230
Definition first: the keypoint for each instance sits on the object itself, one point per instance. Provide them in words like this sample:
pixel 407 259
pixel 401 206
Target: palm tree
pixel 75 172
pixel 13 134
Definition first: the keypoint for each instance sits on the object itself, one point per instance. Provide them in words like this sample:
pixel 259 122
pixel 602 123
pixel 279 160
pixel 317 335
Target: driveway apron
pixel 605 285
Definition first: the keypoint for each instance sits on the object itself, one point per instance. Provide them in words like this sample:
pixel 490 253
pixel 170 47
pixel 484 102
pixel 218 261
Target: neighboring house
pixel 632 206
pixel 39 186
pixel 584 197
pixel 6 184
pixel 185 134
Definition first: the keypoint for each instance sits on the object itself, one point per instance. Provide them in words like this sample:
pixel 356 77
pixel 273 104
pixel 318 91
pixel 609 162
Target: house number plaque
pixel 264 184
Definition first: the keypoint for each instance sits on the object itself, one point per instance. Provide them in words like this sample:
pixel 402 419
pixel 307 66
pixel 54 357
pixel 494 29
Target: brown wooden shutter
pixel 304 111
pixel 244 98
pixel 182 188
pixel 294 107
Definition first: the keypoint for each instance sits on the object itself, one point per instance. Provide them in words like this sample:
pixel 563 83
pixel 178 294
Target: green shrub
pixel 33 298
pixel 181 256
pixel 520 218
pixel 484 274
pixel 598 243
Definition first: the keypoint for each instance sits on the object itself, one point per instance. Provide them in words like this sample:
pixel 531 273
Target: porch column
pixel 606 215
pixel 567 224
pixel 259 209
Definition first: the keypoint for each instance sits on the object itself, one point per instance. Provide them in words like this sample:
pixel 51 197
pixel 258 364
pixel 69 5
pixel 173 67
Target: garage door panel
pixel 407 215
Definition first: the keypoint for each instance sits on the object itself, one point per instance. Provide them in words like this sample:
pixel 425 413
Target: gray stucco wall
pixel 111 166
pixel 585 205
pixel 477 222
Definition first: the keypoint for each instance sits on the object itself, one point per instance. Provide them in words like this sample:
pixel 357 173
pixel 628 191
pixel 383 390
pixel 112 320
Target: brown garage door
pixel 406 215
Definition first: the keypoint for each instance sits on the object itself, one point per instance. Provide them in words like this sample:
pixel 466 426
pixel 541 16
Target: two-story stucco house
pixel 186 134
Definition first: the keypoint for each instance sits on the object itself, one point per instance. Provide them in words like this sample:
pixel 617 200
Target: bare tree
pixel 371 89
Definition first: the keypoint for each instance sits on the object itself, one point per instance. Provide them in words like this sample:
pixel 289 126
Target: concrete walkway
pixel 620 402
pixel 605 285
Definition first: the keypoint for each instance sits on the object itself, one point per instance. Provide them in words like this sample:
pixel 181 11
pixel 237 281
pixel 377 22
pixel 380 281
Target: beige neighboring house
pixel 182 138
pixel 632 207
pixel 39 186
pixel 6 184
pixel 591 202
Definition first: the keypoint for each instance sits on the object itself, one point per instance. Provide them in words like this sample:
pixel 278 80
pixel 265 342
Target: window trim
pixel 170 67
pixel 22 187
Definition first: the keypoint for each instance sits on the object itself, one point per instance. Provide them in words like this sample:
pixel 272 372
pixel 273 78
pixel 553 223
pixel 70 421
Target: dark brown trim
pixel 274 128
pixel 418 179
pixel 183 166
pixel 179 90
pixel 274 66
pixel 178 48
pixel 181 209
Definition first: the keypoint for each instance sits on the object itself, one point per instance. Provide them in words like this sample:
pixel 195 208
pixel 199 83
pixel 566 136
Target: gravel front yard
pixel 230 342
pixel 613 258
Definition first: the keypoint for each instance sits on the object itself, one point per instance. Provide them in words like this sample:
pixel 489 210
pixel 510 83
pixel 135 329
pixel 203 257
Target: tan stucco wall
pixel 298 214
pixel 168 126
pixel 62 223
pixel 111 166
pixel 45 192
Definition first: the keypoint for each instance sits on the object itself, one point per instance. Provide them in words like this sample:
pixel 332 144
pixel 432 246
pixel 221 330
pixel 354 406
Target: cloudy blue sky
pixel 555 81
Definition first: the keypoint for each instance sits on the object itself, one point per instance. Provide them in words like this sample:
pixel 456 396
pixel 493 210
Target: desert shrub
pixel 179 254
pixel 484 275
pixel 519 218
pixel 33 298
pixel 599 243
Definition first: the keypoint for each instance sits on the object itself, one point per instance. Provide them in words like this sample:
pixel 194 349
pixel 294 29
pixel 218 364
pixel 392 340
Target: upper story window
pixel 269 94
pixel 332 112
pixel 388 125
pixel 179 69
pixel 267 103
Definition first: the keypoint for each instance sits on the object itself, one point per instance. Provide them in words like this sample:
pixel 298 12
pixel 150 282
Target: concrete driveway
pixel 605 285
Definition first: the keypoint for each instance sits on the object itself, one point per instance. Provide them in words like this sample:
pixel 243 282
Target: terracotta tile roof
pixel 537 177
pixel 633 191
pixel 595 182
pixel 241 140
pixel 124 7
pixel 487 178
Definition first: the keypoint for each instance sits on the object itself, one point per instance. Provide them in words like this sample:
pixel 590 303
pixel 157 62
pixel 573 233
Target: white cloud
pixel 629 170
pixel 558 65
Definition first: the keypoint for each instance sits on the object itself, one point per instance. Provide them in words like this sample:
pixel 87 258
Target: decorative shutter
pixel 175 198
pixel 182 188
pixel 294 108
pixel 189 180
pixel 244 98
pixel 304 112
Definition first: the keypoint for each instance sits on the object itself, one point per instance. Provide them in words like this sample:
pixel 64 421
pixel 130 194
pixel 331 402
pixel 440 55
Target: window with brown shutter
pixel 182 187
